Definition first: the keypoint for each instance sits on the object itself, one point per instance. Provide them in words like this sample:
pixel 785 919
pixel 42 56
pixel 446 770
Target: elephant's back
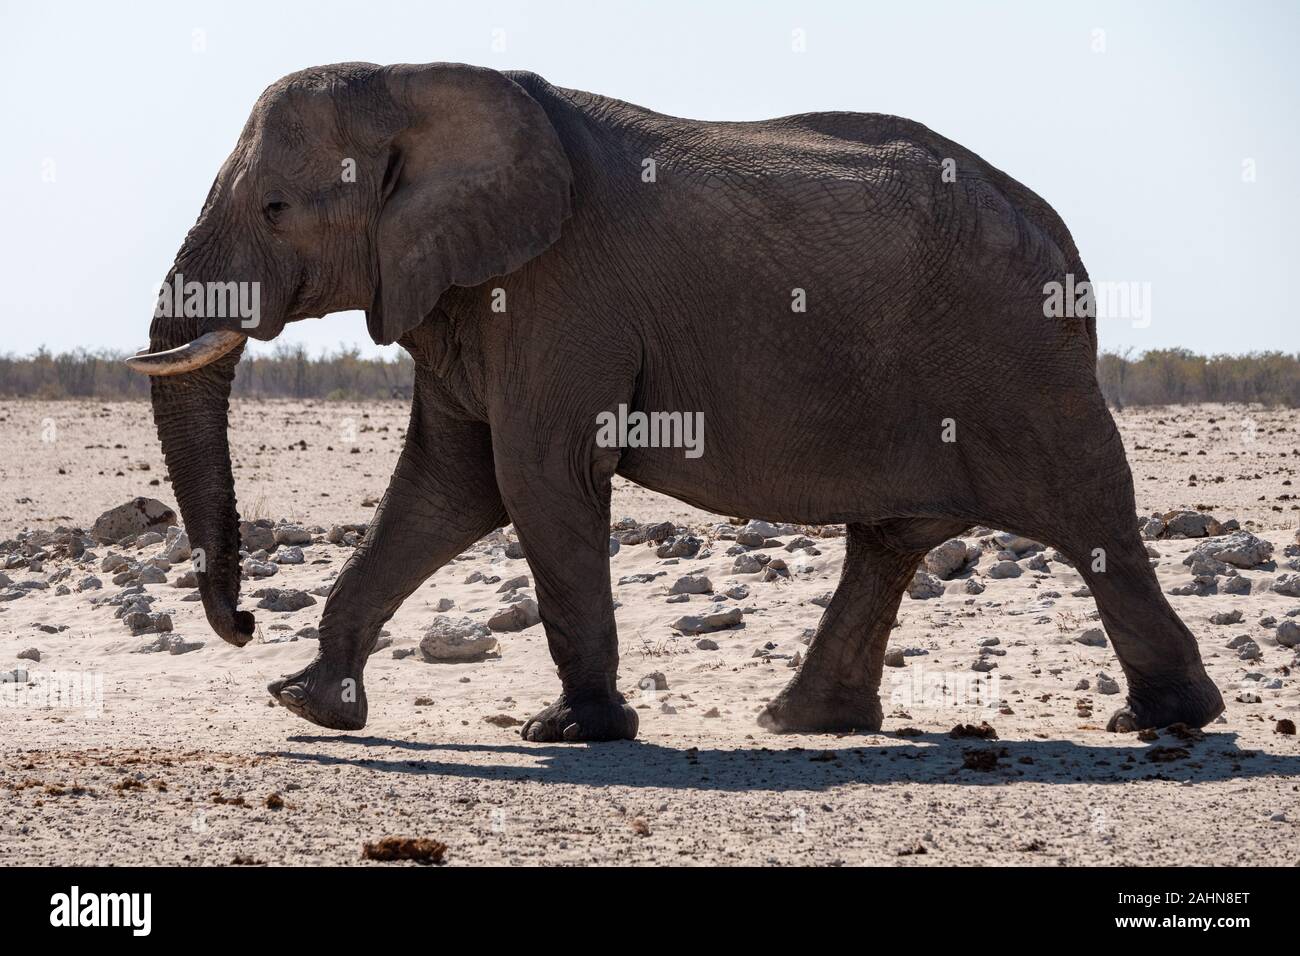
pixel 861 203
pixel 872 162
pixel 882 166
pixel 882 151
pixel 931 162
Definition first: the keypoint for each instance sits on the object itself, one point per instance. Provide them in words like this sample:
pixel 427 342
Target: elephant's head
pixel 351 187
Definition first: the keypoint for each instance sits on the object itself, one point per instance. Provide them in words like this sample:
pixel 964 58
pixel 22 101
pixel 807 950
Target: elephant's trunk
pixel 190 411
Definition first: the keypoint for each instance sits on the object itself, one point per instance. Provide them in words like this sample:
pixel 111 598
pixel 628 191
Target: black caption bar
pixel 173 904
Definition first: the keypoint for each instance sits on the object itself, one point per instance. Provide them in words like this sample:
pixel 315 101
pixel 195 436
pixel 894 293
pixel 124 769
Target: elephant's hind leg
pixel 1166 679
pixel 837 688
pixel 1076 492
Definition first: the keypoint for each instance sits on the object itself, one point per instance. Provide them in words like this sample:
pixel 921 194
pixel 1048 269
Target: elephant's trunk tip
pixel 234 627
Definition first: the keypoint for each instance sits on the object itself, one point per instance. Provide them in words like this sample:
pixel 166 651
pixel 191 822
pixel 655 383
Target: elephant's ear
pixel 477 183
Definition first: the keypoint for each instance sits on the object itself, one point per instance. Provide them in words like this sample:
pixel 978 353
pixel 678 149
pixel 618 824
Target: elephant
pixel 548 256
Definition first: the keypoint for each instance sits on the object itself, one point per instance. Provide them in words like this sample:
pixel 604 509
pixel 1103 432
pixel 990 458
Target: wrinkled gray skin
pixel 924 303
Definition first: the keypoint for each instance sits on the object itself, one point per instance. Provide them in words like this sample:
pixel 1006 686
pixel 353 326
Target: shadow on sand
pixel 925 759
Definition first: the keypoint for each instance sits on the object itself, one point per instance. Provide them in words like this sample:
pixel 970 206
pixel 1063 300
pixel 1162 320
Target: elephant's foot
pixel 328 697
pixel 1194 703
pixel 806 707
pixel 605 717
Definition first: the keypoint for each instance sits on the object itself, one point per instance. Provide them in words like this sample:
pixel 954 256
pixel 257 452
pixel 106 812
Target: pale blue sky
pixel 1140 147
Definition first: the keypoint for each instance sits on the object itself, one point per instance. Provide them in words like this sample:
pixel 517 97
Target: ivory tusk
pixel 204 350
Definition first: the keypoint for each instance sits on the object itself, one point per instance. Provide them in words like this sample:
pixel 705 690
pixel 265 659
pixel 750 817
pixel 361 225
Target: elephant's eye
pixel 275 208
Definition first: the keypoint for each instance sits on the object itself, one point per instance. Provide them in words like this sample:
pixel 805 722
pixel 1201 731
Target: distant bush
pixel 288 372
pixel 1160 377
pixel 1172 376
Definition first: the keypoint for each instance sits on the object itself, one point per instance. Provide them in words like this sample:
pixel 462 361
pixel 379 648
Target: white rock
pixel 1015 543
pixel 447 640
pixel 1288 584
pixel 254 568
pixel 1241 549
pixel 691 584
pixel 924 586
pixel 947 559
pixel 516 617
pixel 1005 569
pixel 291 534
pixel 1092 637
pixel 714 620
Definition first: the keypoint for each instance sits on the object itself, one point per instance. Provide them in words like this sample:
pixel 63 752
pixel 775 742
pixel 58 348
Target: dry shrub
pixel 395 849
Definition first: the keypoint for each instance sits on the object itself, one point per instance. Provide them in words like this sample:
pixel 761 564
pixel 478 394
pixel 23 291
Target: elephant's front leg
pixel 560 509
pixel 441 499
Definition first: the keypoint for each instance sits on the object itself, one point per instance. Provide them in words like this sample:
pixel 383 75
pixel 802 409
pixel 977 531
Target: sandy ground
pixel 187 760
